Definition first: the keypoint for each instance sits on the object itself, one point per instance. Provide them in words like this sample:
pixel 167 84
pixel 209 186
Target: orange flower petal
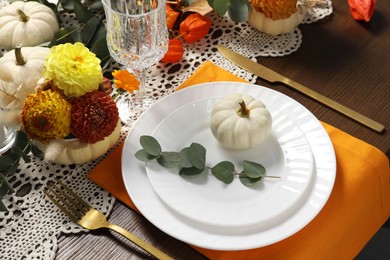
pixel 125 80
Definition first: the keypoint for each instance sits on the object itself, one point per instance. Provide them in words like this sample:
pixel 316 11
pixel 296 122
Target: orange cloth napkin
pixel 357 208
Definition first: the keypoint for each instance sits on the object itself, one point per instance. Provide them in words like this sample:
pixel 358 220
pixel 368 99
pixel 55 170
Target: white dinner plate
pixel 285 153
pixel 203 235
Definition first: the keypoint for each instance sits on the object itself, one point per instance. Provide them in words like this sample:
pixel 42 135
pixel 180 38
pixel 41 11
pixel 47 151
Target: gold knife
pixel 272 76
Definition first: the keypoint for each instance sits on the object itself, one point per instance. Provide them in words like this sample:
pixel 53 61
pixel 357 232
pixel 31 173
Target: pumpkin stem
pixel 243 111
pixel 20 60
pixel 22 16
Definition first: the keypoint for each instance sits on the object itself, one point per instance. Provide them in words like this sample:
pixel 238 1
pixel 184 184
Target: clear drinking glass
pixel 137 37
pixel 7 137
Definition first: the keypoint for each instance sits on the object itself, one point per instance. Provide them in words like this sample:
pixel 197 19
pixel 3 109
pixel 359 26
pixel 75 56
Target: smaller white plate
pixel 286 153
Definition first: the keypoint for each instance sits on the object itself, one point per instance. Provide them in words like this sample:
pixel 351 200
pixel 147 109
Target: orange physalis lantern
pixel 194 27
pixel 175 51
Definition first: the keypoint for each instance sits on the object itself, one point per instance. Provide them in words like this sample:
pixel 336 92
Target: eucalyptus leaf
pixel 224 171
pixel 169 159
pixel 221 6
pixel 198 155
pixel 247 181
pixel 253 170
pixel 192 171
pixel 150 145
pixel 185 158
pixel 144 156
pixel 239 10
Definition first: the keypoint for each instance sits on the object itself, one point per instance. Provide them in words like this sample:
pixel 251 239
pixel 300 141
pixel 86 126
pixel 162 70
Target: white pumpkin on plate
pixel 239 121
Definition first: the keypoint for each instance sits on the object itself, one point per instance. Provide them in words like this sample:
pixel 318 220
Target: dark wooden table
pixel 341 58
pixel 347 61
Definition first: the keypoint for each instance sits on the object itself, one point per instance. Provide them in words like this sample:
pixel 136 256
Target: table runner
pixel 357 208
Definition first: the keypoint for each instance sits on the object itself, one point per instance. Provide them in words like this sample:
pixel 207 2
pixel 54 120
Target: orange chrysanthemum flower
pixel 123 79
pixel 275 9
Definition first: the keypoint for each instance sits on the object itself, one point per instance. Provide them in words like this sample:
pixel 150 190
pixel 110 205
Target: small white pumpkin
pixel 74 152
pixel 238 121
pixel 26 23
pixel 276 27
pixel 20 71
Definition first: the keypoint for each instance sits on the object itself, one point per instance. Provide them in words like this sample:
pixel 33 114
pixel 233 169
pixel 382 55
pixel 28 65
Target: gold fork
pixel 86 216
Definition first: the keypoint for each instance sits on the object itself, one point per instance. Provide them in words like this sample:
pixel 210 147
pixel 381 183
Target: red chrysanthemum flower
pixel 94 116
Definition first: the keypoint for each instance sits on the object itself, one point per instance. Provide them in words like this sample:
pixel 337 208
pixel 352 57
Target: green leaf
pixel 185 158
pixel 100 49
pixel 254 170
pixel 221 6
pixel 192 171
pixel 5 187
pixel 247 181
pixel 144 156
pixel 91 29
pixel 68 4
pixel 21 140
pixel 6 162
pixel 239 10
pixel 224 171
pixel 3 208
pixel 150 145
pixel 96 5
pixel 169 159
pixel 63 35
pixel 198 155
pixel 82 13
pixel 35 151
pixel 21 153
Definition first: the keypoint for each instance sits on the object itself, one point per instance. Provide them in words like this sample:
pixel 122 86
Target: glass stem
pixel 140 94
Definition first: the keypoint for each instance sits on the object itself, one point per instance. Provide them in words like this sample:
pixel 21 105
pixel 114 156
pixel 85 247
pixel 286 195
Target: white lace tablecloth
pixel 30 228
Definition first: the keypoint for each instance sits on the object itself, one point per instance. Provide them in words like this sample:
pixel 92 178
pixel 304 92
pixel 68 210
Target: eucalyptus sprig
pixel 10 160
pixel 191 161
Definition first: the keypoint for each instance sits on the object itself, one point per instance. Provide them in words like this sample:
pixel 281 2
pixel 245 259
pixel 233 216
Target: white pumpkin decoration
pixel 72 151
pixel 276 27
pixel 26 23
pixel 238 121
pixel 20 71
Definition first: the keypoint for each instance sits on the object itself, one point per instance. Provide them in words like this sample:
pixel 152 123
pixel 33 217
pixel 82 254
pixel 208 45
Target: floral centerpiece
pixel 71 116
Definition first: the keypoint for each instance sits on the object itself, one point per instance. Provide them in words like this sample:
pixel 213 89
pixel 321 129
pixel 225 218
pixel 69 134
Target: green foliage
pixel 9 162
pixel 191 161
pixel 238 10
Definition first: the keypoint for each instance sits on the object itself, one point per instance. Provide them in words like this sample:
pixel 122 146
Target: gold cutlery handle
pixel 336 106
pixel 139 242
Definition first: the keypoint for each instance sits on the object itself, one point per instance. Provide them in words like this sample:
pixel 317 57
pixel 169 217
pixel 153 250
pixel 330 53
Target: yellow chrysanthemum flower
pixel 46 115
pixel 73 68
pixel 125 80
